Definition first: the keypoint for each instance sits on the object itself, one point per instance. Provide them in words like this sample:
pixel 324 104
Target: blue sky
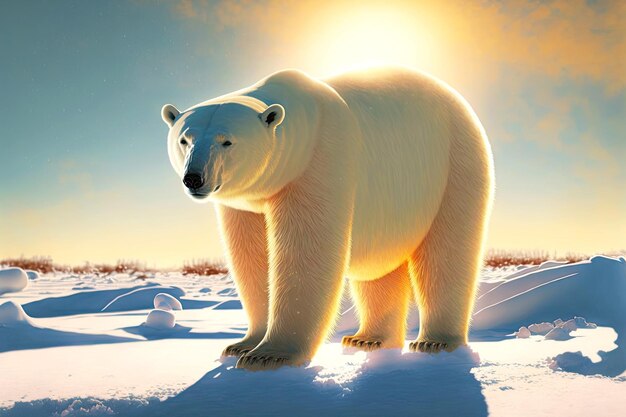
pixel 84 173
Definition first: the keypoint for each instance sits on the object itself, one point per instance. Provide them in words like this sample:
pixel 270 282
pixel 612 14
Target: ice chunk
pixel 558 333
pixel 541 328
pixel 523 333
pixel 164 301
pixel 161 319
pixel 569 325
pixel 12 280
pixel 558 322
pixel 581 323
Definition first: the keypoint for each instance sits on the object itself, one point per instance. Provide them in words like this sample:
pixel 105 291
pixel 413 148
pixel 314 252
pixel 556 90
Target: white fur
pixel 361 175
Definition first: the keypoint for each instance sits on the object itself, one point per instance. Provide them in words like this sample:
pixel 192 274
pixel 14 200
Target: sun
pixel 373 36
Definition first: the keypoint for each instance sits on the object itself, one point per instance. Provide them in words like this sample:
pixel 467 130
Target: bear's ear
pixel 169 113
pixel 273 115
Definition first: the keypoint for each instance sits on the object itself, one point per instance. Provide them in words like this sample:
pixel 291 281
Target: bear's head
pixel 220 150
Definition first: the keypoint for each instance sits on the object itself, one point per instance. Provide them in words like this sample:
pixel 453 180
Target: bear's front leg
pixel 309 228
pixel 245 238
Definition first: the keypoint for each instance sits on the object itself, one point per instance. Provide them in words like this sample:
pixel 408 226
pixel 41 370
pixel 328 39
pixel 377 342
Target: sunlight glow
pixel 372 37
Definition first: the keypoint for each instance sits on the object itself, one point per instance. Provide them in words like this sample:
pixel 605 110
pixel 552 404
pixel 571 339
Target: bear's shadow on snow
pixel 390 384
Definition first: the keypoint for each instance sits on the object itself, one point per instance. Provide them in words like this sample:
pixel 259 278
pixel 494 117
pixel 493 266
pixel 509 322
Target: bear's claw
pixel 261 361
pixel 361 343
pixel 428 346
pixel 238 349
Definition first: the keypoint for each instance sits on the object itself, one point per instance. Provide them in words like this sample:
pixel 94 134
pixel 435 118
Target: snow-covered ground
pixel 90 345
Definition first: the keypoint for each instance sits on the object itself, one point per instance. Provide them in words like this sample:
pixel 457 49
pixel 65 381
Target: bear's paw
pixel 430 346
pixel 265 357
pixel 239 348
pixel 362 342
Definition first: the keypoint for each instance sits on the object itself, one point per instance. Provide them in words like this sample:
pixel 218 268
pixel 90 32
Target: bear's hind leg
pixel 445 267
pixel 382 305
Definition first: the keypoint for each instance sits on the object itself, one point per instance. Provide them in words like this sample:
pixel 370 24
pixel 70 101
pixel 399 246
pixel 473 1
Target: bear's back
pixel 406 121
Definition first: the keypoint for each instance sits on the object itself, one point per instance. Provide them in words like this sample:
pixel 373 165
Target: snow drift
pixel 12 280
pixel 594 289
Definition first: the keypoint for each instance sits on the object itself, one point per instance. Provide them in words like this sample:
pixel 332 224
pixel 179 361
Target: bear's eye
pixel 183 142
pixel 227 143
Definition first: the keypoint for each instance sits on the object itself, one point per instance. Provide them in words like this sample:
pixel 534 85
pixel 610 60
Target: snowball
pixel 12 280
pixel 523 333
pixel 32 275
pixel 140 298
pixel 541 328
pixel 569 325
pixel 12 314
pixel 558 333
pixel 161 319
pixel 163 301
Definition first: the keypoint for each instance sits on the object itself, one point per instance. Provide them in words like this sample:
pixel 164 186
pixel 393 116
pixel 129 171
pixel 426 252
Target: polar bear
pixel 382 176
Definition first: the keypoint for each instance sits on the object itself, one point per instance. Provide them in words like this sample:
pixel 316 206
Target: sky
pixel 84 172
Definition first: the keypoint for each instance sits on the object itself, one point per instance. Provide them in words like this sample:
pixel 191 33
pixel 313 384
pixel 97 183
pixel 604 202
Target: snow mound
pixel 595 289
pixel 12 280
pixel 541 328
pixel 522 333
pixel 569 325
pixel 164 301
pixel 229 305
pixel 140 299
pixel 228 292
pixel 582 323
pixel 558 333
pixel 32 275
pixel 12 314
pixel 161 320
pixel 570 361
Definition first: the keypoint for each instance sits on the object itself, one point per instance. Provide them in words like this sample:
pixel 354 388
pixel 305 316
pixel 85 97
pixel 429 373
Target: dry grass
pixel 44 265
pixel 500 258
pixel 204 267
pixel 37 263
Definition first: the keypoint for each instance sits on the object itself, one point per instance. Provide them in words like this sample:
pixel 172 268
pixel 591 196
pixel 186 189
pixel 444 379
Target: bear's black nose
pixel 192 181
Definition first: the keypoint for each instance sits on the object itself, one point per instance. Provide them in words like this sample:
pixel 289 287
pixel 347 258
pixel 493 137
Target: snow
pixel 12 314
pixel 142 298
pixel 594 289
pixel 32 274
pixel 523 333
pixel 541 328
pixel 558 333
pixel 161 319
pixel 165 301
pixel 12 280
pixel 569 325
pixel 105 356
pixel 581 323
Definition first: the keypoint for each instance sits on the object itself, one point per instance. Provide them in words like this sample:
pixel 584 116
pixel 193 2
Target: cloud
pixel 561 38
